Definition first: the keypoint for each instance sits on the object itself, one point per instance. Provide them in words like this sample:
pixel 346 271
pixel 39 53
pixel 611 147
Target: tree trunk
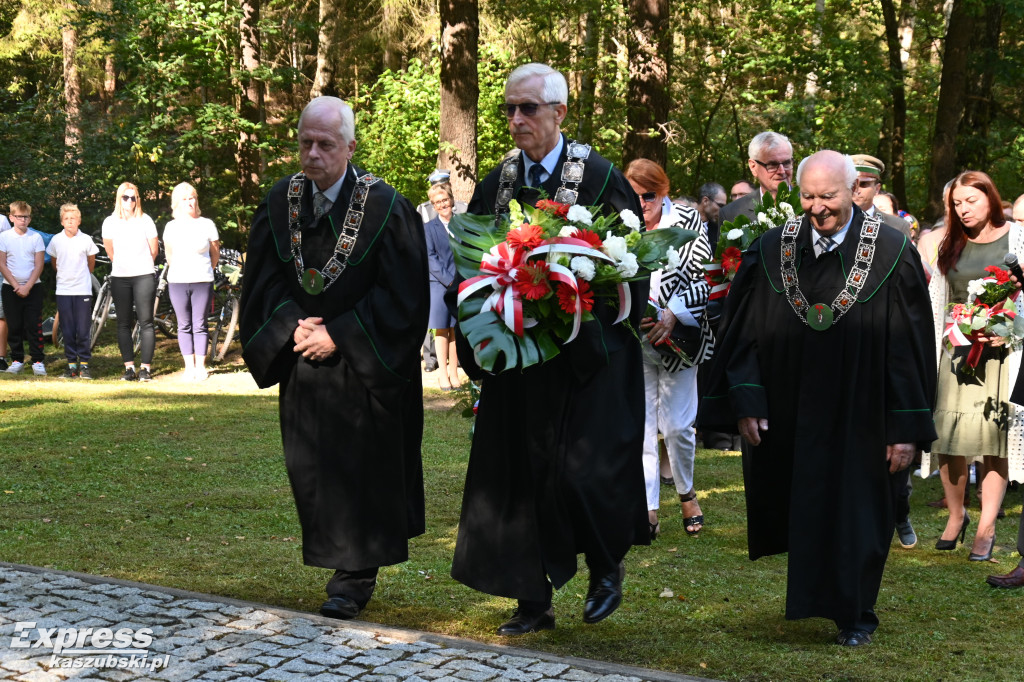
pixel 897 90
pixel 109 80
pixel 325 80
pixel 950 107
pixel 588 84
pixel 649 98
pixel 72 88
pixel 250 107
pixel 972 140
pixel 460 89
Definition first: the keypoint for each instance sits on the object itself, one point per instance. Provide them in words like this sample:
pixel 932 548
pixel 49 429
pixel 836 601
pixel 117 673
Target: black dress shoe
pixel 853 637
pixel 339 606
pixel 604 595
pixel 524 621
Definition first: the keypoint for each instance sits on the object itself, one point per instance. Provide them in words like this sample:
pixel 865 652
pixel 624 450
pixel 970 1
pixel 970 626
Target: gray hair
pixel 347 127
pixel 765 142
pixel 849 170
pixel 710 190
pixel 555 87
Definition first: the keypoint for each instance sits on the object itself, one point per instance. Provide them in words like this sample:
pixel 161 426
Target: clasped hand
pixel 658 331
pixel 312 340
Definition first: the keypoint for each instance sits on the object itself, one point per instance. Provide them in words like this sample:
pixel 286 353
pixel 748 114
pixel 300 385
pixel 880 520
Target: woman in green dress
pixel 973 417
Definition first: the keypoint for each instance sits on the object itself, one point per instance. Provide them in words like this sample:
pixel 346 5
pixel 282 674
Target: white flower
pixel 629 219
pixel 615 247
pixel 578 214
pixel 762 218
pixel 976 287
pixel 673 258
pixel 787 209
pixel 628 266
pixel 566 231
pixel 734 234
pixel 583 267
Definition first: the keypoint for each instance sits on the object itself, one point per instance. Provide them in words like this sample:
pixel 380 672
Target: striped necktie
pixel 536 170
pixel 824 245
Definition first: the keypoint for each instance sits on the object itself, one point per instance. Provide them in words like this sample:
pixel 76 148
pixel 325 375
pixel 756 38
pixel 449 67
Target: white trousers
pixel 671 408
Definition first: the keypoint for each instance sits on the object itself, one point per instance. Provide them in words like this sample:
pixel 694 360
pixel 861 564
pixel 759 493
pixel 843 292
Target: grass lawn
pixel 184 485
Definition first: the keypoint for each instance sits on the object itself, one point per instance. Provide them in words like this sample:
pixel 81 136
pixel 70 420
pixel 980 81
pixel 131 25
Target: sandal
pixel 696 522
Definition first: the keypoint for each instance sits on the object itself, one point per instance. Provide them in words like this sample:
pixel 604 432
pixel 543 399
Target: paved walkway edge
pixel 402 634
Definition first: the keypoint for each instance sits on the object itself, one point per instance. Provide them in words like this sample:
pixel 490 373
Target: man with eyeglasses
pixel 869 182
pixel 740 188
pixel 333 310
pixel 771 164
pixel 711 200
pixel 21 262
pixel 569 479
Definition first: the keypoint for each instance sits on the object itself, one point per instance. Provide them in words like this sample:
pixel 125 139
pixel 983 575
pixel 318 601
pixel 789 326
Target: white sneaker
pixel 15 367
pixel 39 369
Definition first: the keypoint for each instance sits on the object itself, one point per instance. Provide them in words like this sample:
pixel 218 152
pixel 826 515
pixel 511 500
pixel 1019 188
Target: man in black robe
pixel 556 463
pixel 826 367
pixel 334 308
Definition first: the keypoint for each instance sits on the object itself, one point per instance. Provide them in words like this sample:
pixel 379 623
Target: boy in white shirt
pixel 21 263
pixel 73 256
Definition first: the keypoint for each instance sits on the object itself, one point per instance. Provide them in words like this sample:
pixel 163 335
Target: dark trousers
pixel 356 585
pixel 901 489
pixel 191 302
pixel 75 320
pixel 139 292
pixel 24 322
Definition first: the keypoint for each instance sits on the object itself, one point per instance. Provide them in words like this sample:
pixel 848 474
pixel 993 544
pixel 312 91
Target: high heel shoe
pixel 983 557
pixel 947 545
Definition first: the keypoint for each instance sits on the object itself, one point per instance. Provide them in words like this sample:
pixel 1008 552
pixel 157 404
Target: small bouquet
pixel 990 312
pixel 736 235
pixel 534 277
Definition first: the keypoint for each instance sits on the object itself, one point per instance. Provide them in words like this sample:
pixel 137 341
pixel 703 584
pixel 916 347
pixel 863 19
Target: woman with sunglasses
pixel 129 238
pixel 680 295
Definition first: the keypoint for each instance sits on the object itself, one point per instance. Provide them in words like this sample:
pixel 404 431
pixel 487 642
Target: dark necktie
pixel 824 245
pixel 535 173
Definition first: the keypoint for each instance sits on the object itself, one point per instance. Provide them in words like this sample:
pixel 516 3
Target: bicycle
pixel 227 284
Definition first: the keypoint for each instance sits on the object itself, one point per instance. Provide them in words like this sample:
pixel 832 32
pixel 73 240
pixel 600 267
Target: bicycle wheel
pixel 230 313
pixel 100 311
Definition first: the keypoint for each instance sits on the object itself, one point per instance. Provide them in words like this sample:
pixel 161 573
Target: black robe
pixel 555 467
pixel 352 424
pixel 818 485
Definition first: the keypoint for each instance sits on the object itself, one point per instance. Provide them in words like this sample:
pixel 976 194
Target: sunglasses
pixel 129 197
pixel 648 197
pixel 526 108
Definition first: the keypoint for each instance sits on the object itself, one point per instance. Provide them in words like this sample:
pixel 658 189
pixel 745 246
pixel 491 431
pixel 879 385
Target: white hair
pixel 347 127
pixel 179 194
pixel 555 88
pixel 765 142
pixel 827 156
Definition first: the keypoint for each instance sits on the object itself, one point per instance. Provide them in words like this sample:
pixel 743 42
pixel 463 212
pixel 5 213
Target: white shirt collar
pixel 547 163
pixel 334 190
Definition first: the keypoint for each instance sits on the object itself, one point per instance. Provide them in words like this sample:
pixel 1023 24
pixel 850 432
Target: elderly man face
pixel 865 190
pixel 774 167
pixel 824 195
pixel 536 126
pixel 323 152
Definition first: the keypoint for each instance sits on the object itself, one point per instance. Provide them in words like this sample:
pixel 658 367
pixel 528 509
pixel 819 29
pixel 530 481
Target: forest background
pixel 158 92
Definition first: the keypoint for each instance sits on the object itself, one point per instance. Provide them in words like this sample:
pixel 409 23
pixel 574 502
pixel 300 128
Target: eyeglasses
pixel 774 166
pixel 20 217
pixel 867 183
pixel 129 197
pixel 527 108
pixel 649 197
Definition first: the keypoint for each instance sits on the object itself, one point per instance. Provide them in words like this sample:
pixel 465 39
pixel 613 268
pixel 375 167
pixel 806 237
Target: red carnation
pixel 526 236
pixel 532 280
pixel 555 208
pixel 1002 276
pixel 589 236
pixel 567 298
